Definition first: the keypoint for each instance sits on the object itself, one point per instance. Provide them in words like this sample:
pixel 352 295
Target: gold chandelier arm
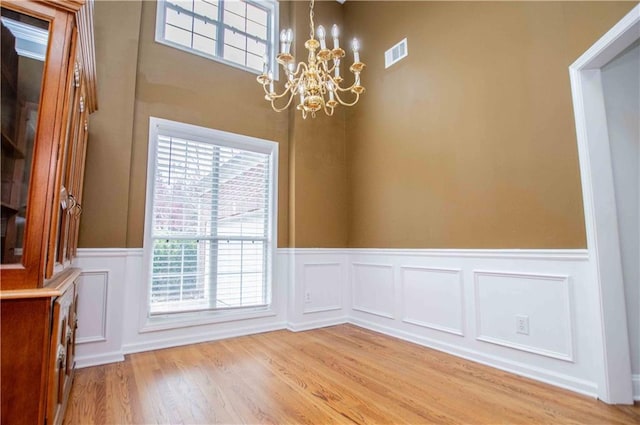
pixel 301 66
pixel 329 69
pixel 269 94
pixel 338 88
pixel 328 111
pixel 297 74
pixel 273 103
pixel 333 81
pixel 342 102
pixel 280 96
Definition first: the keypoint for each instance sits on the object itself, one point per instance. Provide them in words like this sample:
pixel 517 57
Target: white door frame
pixel 614 368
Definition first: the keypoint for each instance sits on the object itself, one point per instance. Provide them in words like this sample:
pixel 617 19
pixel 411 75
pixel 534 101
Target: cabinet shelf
pixel 7 208
pixel 10 147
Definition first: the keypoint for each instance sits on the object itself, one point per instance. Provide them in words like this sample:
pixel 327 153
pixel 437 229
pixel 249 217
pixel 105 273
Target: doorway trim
pixel 603 242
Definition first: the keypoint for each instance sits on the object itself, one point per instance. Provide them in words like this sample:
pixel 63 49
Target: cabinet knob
pixel 77 210
pixel 64 198
pixel 71 203
pixel 62 356
pixel 76 74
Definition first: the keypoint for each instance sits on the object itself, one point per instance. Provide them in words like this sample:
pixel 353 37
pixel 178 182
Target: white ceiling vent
pixel 396 53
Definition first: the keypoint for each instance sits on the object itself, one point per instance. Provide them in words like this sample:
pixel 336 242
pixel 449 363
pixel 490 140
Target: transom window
pixel 237 32
pixel 209 222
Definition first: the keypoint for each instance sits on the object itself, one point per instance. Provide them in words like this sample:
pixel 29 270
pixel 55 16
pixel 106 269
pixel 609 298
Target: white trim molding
pixel 603 242
pixel 198 335
pixel 520 254
pixel 320 284
pixel 101 304
pixel 546 285
pixel 108 252
pixel 561 315
pixel 528 370
pixel 452 305
pixel 315 324
pixel 124 279
pixel 410 286
pixel 97 303
pixel 364 292
pixel 30 41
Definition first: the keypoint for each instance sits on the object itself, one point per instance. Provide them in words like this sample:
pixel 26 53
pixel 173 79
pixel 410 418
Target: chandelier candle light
pixel 316 83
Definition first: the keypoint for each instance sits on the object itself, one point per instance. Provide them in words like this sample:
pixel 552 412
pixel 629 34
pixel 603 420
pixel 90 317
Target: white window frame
pixel 274 10
pixel 157 322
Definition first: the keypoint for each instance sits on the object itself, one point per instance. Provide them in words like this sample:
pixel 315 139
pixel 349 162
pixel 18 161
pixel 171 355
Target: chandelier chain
pixel 311 25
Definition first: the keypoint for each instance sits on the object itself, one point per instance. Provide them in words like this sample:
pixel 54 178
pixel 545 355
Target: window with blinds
pixel 210 226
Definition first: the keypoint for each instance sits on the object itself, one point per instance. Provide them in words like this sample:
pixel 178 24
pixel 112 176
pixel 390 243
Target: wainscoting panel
pixel 373 289
pixel 543 301
pixel 463 302
pixel 321 287
pixel 438 304
pixel 433 298
pixel 92 290
pixel 101 305
pixel 317 289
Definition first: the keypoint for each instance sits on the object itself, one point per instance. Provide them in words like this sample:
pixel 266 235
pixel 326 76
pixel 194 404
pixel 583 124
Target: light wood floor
pixel 341 374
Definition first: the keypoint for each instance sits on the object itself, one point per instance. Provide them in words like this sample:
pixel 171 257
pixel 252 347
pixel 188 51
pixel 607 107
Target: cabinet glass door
pixel 24 47
pixel 68 202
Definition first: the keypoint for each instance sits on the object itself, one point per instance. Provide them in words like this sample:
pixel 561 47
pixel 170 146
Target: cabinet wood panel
pixel 24 351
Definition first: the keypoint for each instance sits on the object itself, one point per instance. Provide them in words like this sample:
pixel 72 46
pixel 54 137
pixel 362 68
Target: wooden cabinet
pixel 48 92
pixel 61 357
pixel 38 348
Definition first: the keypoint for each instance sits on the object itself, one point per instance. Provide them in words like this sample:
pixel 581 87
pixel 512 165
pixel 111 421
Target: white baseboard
pixel 635 381
pixel 100 359
pixel 315 324
pixel 559 380
pixel 195 338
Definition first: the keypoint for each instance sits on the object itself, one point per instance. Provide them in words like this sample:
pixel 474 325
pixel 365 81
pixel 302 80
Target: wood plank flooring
pixel 341 374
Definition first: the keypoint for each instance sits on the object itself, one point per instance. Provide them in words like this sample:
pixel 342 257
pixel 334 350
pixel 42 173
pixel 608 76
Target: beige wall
pixel 106 189
pixel 318 183
pixel 183 87
pixel 470 141
pixel 139 78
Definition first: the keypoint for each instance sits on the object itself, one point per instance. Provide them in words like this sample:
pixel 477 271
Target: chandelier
pixel 317 83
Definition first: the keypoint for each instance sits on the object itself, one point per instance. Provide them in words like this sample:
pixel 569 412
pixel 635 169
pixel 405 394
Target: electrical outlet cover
pixel 522 324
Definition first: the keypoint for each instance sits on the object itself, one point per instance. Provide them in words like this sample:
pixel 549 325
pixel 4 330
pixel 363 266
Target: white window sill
pixel 183 320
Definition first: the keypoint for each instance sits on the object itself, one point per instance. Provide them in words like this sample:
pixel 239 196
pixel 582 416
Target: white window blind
pixel 210 231
pixel 238 32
